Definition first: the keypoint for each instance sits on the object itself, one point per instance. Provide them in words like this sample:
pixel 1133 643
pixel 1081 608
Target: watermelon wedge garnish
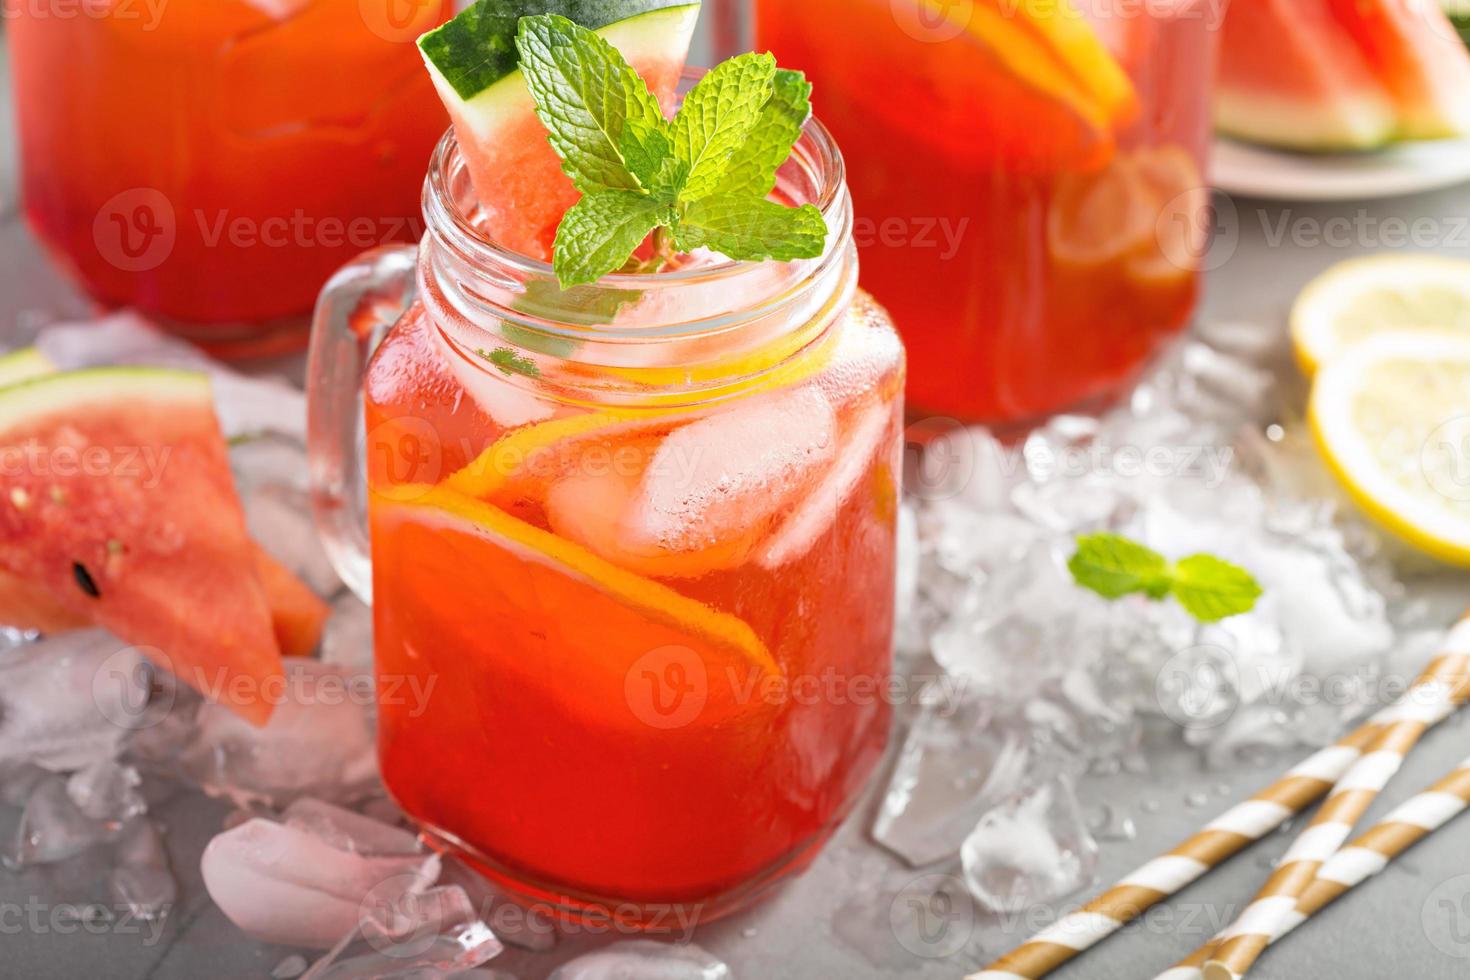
pixel 118 503
pixel 516 175
pixel 1340 74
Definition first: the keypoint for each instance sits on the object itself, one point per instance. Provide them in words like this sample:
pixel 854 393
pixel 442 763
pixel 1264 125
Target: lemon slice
pixel 1392 417
pixel 553 589
pixel 1365 297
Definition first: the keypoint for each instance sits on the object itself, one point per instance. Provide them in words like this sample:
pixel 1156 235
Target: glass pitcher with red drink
pixel 1029 176
pixel 211 164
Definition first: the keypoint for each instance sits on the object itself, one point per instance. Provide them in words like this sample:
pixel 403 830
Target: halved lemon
pixel 1392 418
pixel 1365 297
pixel 543 601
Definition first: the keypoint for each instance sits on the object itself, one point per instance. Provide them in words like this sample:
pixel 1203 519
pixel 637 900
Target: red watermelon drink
pixel 1027 177
pixel 635 532
pixel 212 163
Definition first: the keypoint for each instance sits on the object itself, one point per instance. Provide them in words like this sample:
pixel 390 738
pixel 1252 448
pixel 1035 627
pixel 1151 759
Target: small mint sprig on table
pixel 1209 588
pixel 704 176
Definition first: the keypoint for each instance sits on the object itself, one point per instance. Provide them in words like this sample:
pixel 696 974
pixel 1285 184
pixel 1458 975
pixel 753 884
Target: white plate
pixel 1408 168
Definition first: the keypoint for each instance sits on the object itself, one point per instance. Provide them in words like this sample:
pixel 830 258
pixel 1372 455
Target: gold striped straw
pixel 1227 835
pixel 1433 697
pixel 1363 858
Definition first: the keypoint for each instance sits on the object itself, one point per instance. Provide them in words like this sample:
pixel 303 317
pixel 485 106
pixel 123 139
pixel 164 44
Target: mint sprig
pixel 1209 588
pixel 704 176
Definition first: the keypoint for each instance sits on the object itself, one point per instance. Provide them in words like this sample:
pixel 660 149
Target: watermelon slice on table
pixel 1340 74
pixel 298 614
pixel 1290 76
pixel 119 504
pixel 515 173
pixel 1414 51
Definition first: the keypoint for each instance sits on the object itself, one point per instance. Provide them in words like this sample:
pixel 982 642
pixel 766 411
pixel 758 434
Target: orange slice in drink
pixel 472 580
pixel 1097 219
pixel 1076 44
pixel 1182 222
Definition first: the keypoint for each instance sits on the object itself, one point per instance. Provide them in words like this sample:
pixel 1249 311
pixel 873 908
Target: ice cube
pixel 528 927
pixel 319 742
pixel 454 954
pixel 280 520
pixel 414 915
pixel 142 880
pixel 284 885
pixel 53 829
pixel 246 405
pixel 644 959
pixel 715 478
pixel 349 831
pixel 18 780
pixel 69 699
pixel 955 765
pixel 347 639
pixel 1030 850
pixel 290 968
pixel 818 508
pixel 107 791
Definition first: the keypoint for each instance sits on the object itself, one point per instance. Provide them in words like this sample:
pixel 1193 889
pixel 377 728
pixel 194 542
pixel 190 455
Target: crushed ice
pixel 983 788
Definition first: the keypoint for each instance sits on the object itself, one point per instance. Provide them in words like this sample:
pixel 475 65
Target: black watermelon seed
pixel 84 580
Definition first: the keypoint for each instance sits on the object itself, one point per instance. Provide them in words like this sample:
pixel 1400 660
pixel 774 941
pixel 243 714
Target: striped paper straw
pixel 1363 858
pixel 1230 833
pixel 1434 696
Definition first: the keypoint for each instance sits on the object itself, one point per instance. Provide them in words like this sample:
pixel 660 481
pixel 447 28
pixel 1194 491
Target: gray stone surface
pixel 1409 924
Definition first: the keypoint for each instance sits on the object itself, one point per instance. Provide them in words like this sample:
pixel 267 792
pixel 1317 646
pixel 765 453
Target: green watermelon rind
pixel 23 365
pixel 46 395
pixel 476 50
pixel 654 37
pixel 1304 128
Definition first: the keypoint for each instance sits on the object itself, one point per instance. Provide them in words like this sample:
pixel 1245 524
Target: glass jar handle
pixel 354 312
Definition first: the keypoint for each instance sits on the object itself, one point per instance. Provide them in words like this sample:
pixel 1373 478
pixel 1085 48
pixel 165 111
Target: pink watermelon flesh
pixel 1413 49
pixel 1291 76
pixel 517 176
pixel 147 539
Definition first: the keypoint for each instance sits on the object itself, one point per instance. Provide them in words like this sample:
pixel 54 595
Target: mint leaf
pixel 753 165
pixel 646 150
pixel 718 116
pixel 595 107
pixel 1113 566
pixel 639 173
pixel 751 229
pixel 1211 588
pixel 510 362
pixel 600 231
pixel 1208 588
